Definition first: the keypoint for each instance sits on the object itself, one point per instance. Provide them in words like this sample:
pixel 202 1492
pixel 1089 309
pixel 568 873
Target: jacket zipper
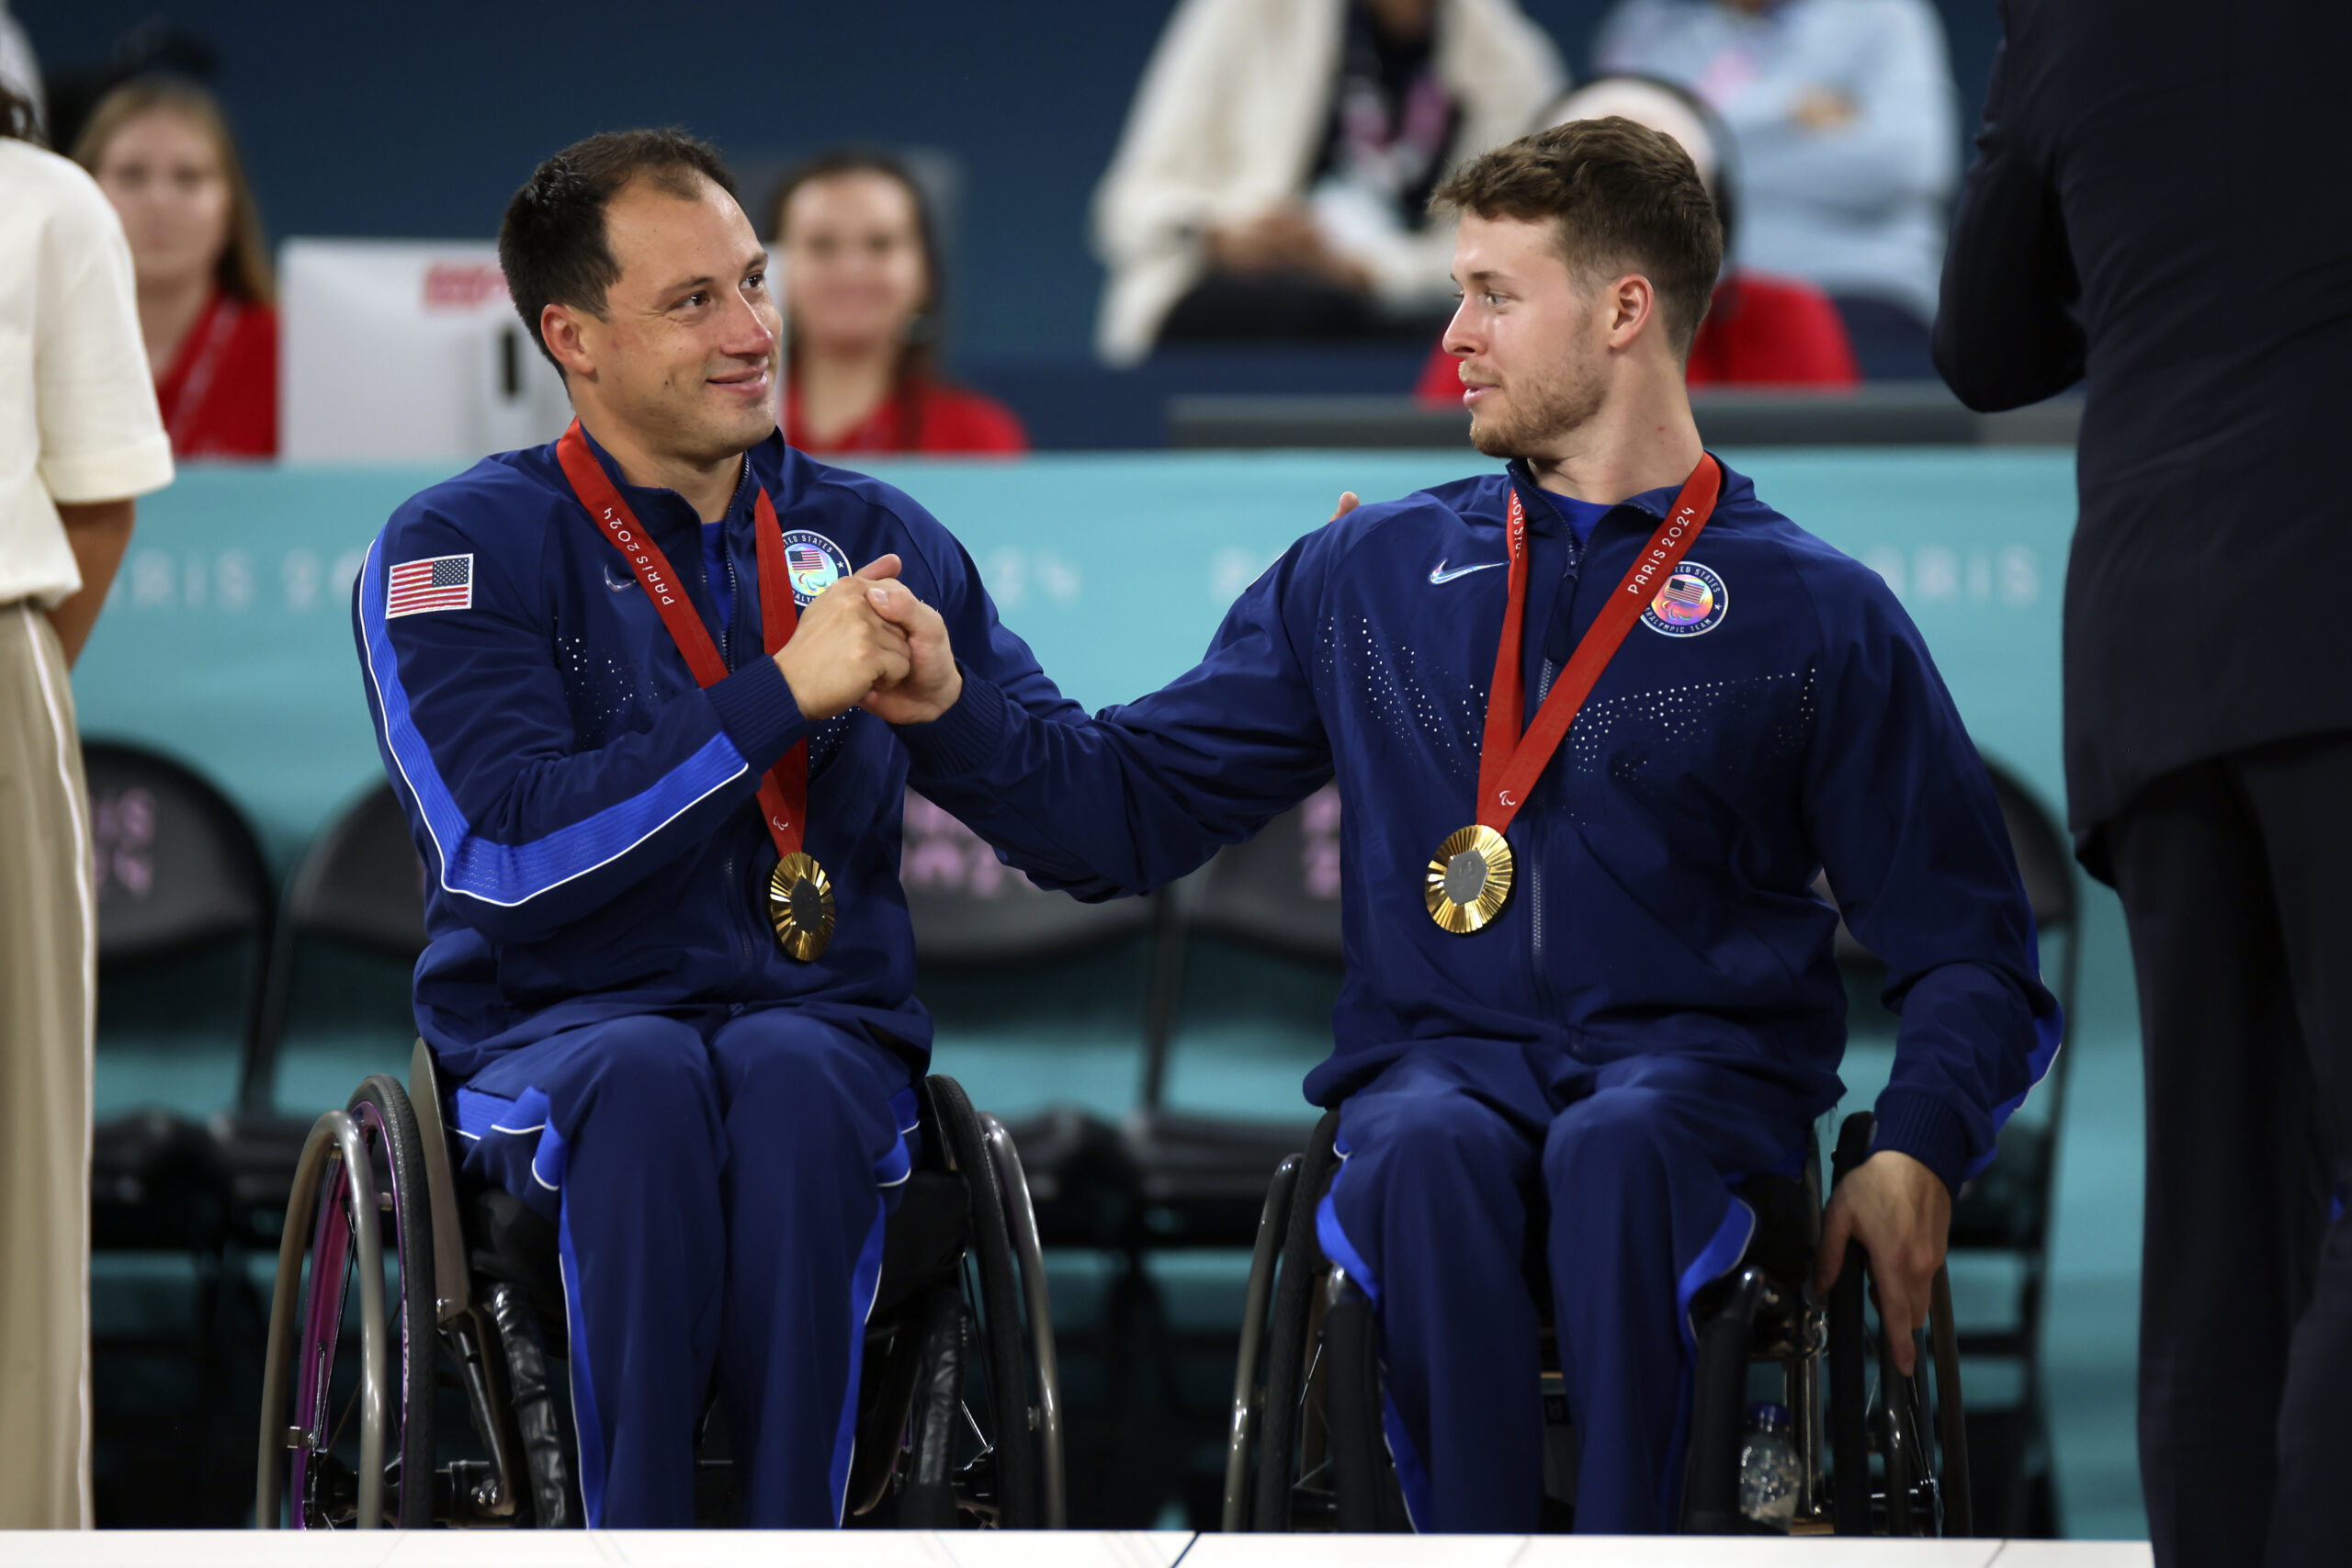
pixel 1545 1007
pixel 731 864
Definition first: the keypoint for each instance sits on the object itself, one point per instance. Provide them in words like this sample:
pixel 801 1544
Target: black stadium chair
pixel 184 914
pixel 971 911
pixel 996 952
pixel 1203 1177
pixel 360 885
pixel 184 926
pixel 357 895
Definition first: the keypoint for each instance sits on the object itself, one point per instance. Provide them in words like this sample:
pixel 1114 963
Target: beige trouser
pixel 48 947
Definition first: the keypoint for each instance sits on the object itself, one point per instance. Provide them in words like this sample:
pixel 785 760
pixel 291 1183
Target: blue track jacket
pixel 1785 720
pixel 584 810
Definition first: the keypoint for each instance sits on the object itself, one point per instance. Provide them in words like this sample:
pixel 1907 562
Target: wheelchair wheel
pixel 1921 1485
pixel 1290 1438
pixel 1016 1490
pixel 354 1447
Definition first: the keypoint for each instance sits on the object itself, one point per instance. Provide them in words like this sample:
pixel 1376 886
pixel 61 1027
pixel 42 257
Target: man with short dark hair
pixel 616 682
pixel 1582 1000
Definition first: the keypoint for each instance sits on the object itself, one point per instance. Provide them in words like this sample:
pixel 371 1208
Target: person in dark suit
pixel 2146 214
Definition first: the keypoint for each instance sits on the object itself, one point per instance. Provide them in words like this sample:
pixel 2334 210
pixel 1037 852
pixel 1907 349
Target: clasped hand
pixel 867 641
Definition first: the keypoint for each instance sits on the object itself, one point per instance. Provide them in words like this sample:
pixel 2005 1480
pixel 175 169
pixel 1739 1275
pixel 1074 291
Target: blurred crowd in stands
pixel 1236 208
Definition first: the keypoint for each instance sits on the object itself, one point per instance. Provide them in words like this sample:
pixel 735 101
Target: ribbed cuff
pixel 1924 1127
pixel 756 709
pixel 963 737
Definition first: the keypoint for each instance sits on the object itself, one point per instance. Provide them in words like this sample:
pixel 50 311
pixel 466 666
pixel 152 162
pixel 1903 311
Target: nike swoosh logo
pixel 1439 575
pixel 619 585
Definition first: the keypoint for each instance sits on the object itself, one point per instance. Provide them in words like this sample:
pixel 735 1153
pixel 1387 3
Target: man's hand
pixel 1900 1211
pixel 1348 502
pixel 842 648
pixel 933 682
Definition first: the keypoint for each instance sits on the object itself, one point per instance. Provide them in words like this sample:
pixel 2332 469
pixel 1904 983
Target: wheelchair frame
pixel 383 1166
pixel 1303 1448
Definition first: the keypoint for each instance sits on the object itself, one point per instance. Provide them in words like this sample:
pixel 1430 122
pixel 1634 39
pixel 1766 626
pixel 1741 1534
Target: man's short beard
pixel 1558 405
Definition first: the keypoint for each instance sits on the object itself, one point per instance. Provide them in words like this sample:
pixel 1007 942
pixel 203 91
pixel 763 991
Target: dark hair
pixel 918 356
pixel 244 271
pixel 553 246
pixel 16 118
pixel 1620 194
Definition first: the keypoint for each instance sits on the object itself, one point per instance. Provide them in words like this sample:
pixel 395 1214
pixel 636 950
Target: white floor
pixel 1135 1548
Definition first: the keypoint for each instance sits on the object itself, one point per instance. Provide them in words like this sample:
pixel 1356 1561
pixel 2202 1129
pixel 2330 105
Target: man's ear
pixel 567 332
pixel 1630 305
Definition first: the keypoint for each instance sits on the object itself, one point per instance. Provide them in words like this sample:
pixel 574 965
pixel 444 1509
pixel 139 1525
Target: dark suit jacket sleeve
pixel 2005 337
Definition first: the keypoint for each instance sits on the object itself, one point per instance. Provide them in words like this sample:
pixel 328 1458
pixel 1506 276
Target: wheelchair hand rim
pixel 323 1312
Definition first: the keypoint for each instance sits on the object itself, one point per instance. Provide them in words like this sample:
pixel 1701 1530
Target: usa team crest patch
pixel 813 562
pixel 1692 601
pixel 436 583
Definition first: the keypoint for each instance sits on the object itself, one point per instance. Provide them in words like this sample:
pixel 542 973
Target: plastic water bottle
pixel 1770 1476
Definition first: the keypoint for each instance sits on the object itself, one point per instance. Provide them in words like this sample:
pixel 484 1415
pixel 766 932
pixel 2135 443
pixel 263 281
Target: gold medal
pixel 800 904
pixel 1469 879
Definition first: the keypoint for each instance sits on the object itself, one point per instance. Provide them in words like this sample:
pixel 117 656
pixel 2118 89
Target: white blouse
pixel 78 421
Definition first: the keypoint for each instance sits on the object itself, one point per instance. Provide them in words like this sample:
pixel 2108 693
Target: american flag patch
pixel 437 582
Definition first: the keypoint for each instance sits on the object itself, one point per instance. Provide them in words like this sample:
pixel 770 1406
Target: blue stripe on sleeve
pixel 509 874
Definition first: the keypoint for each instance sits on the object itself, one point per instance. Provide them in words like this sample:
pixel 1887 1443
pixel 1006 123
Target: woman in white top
pixel 79 438
pixel 1277 159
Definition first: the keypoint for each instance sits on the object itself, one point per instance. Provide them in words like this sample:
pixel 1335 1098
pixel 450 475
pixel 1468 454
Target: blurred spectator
pixel 1847 121
pixel 1759 331
pixel 79 438
pixel 1274 174
pixel 160 151
pixel 860 260
pixel 20 71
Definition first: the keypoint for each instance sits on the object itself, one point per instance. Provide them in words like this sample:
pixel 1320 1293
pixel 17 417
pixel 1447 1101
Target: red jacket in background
pixel 1760 331
pixel 925 416
pixel 219 393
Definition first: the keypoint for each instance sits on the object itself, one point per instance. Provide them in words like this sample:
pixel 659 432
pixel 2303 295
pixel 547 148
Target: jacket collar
pixel 665 511
pixel 1543 516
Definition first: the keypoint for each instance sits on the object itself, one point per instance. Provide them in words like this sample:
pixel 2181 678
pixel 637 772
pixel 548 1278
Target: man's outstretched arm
pixel 1139 795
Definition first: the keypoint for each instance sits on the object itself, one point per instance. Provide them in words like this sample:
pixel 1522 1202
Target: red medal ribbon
pixel 784 792
pixel 1509 763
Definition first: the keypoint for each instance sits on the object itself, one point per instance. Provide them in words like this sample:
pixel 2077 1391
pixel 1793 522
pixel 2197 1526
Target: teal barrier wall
pixel 227 641
pixel 227 638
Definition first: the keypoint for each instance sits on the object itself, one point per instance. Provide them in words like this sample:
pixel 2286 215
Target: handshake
pixel 869 642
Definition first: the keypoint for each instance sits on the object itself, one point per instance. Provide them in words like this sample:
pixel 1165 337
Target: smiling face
pixel 854 273
pixel 685 353
pixel 1534 340
pixel 162 171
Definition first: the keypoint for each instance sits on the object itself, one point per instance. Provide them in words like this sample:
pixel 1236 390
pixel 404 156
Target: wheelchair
pixel 1305 1450
pixel 458 1295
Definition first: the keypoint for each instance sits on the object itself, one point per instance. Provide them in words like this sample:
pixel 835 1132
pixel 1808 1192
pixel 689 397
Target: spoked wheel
pixel 360 1340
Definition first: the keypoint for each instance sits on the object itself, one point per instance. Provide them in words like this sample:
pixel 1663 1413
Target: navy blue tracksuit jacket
pixel 715 1129
pixel 1657 1012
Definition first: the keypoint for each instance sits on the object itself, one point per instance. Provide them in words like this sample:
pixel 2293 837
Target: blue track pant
pixel 720 1190
pixel 1456 1170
